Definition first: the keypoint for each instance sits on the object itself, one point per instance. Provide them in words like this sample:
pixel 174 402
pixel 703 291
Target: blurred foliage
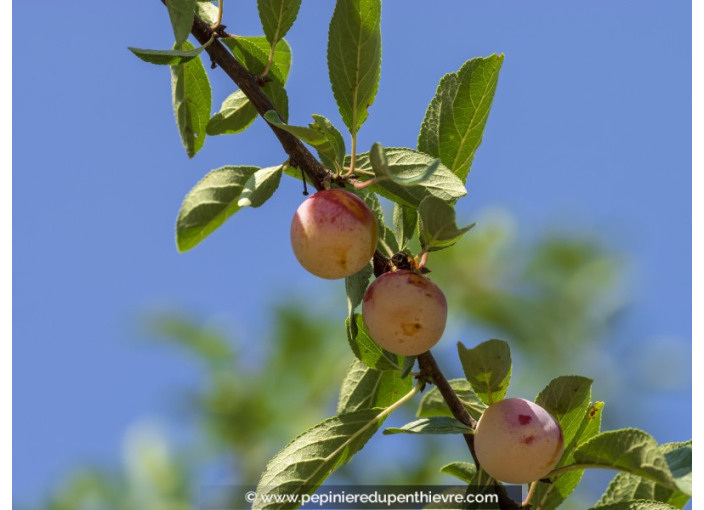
pixel 558 293
pixel 549 298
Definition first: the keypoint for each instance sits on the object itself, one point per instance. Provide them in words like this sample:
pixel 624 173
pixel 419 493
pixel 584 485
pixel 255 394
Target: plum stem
pixel 531 491
pixel 218 21
pixel 386 247
pixel 423 260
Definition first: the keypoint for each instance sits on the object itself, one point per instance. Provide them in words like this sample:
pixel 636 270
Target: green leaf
pixel 455 120
pixel 405 221
pixel 253 53
pixel 637 505
pixel 435 425
pixel 210 203
pixel 277 93
pixel 355 286
pixel 370 198
pixel 465 471
pixel 487 367
pixel 408 364
pixel 591 425
pixel 389 239
pixel 260 187
pixel 332 157
pixel 408 164
pixel 551 496
pixel 433 404
pixel 629 450
pixel 236 114
pixel 429 138
pixel 567 398
pixel 181 13
pixel 277 17
pixel 354 58
pixel 625 486
pixel 306 134
pixel 438 229
pixel 366 388
pixel 166 57
pixel 309 459
pixel 377 157
pixel 321 134
pixel 679 460
pixel 207 11
pixel 282 56
pixel 367 350
pixel 191 96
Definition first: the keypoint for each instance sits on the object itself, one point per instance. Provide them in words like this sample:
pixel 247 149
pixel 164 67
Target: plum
pixel 404 312
pixel 517 441
pixel 333 234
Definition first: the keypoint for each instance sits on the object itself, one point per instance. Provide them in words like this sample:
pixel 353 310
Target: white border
pixel 697 252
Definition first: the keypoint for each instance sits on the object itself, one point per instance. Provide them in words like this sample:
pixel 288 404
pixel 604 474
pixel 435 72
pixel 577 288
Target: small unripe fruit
pixel 517 441
pixel 333 234
pixel 404 312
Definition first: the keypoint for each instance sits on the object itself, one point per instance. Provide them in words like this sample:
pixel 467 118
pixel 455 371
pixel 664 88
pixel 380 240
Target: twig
pixel 247 82
pixel 531 491
pixel 429 368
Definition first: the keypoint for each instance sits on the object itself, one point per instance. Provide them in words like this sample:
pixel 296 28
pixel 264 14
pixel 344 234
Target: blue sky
pixel 590 130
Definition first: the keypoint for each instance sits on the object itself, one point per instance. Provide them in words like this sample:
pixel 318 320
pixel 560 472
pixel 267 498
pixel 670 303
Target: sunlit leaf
pixel 354 58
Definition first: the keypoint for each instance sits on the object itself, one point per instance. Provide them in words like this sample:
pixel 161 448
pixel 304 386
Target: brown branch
pixel 299 155
pixel 430 369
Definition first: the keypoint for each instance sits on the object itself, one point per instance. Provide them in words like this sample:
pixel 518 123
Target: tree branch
pixel 430 369
pixel 299 155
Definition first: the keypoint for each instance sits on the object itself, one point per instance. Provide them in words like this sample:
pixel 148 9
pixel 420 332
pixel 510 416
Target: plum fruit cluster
pixel 517 441
pixel 334 235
